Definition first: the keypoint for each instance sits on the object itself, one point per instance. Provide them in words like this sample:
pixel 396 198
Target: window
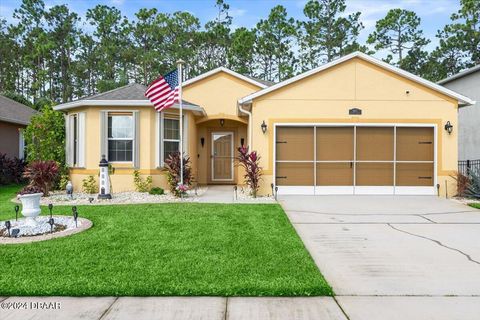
pixel 120 137
pixel 171 136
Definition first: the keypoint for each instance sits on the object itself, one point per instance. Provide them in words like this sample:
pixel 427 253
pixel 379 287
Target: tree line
pixel 47 54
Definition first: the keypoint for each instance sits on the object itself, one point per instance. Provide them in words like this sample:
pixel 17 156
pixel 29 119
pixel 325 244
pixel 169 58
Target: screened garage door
pixel 354 159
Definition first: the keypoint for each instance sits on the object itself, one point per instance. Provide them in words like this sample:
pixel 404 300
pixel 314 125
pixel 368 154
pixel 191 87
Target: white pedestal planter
pixel 30 207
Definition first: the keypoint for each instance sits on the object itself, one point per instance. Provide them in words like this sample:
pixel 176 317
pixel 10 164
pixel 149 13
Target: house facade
pixel 353 126
pixel 14 117
pixel 467 83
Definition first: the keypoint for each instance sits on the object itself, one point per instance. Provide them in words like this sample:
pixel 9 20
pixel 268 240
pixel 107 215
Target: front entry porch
pixel 218 140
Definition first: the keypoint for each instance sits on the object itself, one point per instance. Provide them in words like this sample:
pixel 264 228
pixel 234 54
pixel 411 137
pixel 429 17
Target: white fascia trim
pixel 230 72
pixel 460 98
pixel 117 103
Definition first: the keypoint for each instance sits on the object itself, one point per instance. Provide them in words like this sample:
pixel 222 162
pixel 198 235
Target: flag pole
pixel 180 63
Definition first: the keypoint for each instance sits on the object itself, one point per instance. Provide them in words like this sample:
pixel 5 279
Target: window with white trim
pixel 171 135
pixel 120 137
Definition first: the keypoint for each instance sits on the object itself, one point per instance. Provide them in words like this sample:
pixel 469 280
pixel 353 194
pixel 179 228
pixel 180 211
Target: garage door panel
pixel 334 174
pixel 294 174
pixel 359 159
pixel 374 174
pixel 334 143
pixel 294 143
pixel 414 174
pixel 415 144
pixel 375 143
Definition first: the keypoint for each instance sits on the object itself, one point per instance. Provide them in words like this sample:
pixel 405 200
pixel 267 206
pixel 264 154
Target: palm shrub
pixel 42 174
pixel 253 172
pixel 473 186
pixel 172 165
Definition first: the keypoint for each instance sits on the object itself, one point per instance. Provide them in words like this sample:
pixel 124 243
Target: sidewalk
pixel 170 308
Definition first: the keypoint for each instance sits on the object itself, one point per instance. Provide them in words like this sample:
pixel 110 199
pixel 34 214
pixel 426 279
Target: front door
pixel 222 156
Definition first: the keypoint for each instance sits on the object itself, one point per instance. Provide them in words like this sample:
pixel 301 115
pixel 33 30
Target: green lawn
pixel 165 249
pixel 475 205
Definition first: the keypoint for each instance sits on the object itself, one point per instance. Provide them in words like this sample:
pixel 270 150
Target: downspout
pixel 250 127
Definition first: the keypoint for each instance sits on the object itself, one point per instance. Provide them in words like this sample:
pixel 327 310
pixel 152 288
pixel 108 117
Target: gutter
pixel 250 127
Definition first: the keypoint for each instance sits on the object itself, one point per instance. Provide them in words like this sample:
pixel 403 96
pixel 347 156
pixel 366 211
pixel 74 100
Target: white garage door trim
pixel 358 190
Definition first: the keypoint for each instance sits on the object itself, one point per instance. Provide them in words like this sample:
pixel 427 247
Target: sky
pixel 246 13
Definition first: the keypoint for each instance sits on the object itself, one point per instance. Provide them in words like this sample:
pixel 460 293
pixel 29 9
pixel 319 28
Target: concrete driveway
pixel 394 257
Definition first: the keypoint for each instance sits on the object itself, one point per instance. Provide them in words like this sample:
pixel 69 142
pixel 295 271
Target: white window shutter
pixel 68 141
pixel 185 134
pixel 136 141
pixel 158 139
pixel 103 134
pixel 81 139
pixel 160 151
pixel 21 144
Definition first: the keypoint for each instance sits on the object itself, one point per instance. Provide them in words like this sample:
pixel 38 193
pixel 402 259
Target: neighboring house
pixel 467 83
pixel 14 117
pixel 356 125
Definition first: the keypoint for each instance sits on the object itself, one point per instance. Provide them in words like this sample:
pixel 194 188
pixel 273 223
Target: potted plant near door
pixel 41 176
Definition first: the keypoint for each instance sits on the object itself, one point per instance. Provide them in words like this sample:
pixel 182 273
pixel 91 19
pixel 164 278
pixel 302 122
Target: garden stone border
pixel 85 225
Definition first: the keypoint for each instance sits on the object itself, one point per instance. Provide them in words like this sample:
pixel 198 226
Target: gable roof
pixel 461 74
pixel 132 94
pixel 259 83
pixel 460 98
pixel 15 112
pixel 132 91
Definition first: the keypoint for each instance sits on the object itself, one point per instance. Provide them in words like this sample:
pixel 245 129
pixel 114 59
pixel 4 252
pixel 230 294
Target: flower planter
pixel 30 207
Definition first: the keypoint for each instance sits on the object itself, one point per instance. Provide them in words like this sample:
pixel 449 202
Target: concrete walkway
pixel 226 194
pixel 170 308
pixel 392 257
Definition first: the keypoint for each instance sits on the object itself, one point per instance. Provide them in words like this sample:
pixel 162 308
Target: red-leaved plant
pixel 172 164
pixel 42 175
pixel 253 171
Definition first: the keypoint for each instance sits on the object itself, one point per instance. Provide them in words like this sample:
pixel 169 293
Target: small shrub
pixel 462 183
pixel 172 164
pixel 11 170
pixel 62 184
pixel 140 184
pixel 473 186
pixel 42 174
pixel 157 191
pixel 253 171
pixel 89 185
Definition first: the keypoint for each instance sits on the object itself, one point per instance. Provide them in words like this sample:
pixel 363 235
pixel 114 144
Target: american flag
pixel 163 92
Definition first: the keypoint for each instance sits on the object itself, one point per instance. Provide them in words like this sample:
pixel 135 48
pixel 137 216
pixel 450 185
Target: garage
pixel 355 159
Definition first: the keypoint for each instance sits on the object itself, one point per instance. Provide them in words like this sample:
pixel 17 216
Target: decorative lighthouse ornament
pixel 104 190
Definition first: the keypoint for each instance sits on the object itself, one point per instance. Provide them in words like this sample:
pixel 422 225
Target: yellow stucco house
pixel 355 125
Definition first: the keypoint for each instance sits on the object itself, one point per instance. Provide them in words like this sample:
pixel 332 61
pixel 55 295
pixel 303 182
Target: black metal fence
pixel 464 166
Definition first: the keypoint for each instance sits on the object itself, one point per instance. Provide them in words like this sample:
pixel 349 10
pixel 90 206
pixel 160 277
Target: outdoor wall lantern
pixel 264 127
pixel 448 127
pixel 242 142
pixel 222 122
pixel 202 141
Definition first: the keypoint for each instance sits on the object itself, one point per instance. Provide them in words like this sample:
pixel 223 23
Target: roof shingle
pixel 15 112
